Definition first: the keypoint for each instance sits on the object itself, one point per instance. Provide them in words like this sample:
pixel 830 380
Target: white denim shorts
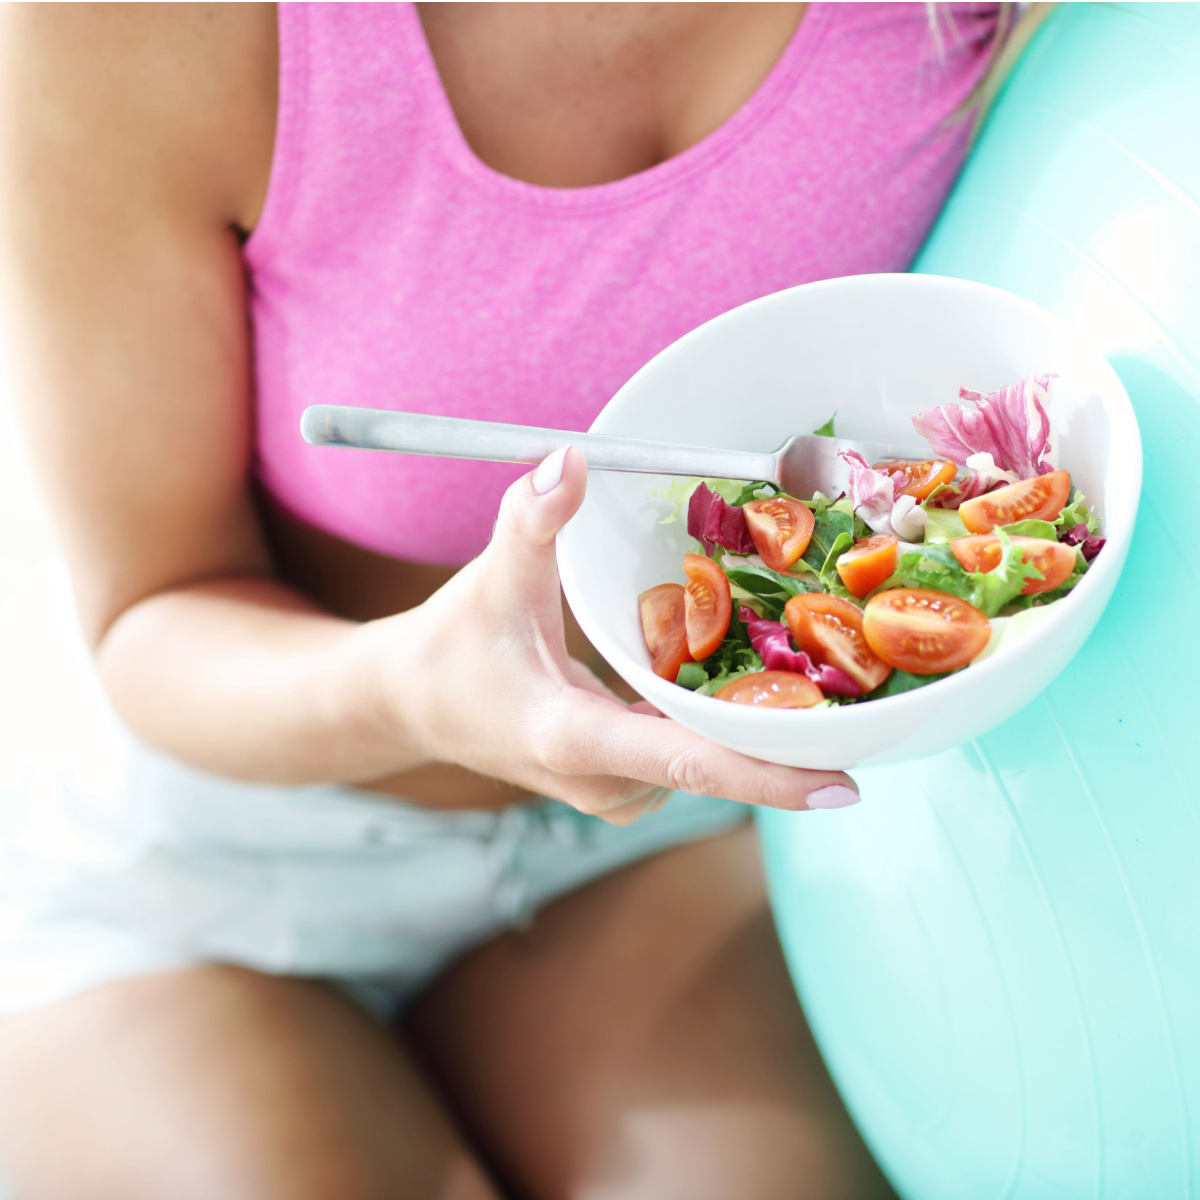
pixel 117 861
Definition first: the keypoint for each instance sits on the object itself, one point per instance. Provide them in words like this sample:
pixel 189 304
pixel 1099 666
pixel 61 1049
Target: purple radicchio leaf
pixel 833 681
pixel 872 493
pixel 1079 535
pixel 713 522
pixel 773 644
pixel 1010 425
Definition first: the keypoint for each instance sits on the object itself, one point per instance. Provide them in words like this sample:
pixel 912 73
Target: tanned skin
pixel 643 1040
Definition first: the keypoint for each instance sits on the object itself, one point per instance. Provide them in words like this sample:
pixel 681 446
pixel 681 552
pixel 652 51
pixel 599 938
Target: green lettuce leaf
pixel 1042 598
pixel 692 675
pixel 679 491
pixel 826 430
pixel 943 525
pixel 1037 529
pixel 899 682
pixel 832 520
pixel 936 568
pixel 831 581
pixel 733 658
pixel 769 588
pixel 752 664
pixel 1010 628
pixel 1077 513
pixel 754 491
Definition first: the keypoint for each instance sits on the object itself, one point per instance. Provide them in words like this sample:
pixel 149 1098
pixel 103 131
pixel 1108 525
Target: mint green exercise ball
pixel 999 949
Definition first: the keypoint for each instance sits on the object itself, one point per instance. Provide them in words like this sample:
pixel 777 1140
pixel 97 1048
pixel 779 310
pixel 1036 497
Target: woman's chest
pixel 574 95
pixel 395 268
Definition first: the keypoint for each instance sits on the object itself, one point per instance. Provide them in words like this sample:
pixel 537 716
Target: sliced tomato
pixel 982 553
pixel 1038 499
pixel 773 689
pixel 706 605
pixel 924 632
pixel 923 477
pixel 830 630
pixel 867 564
pixel 664 628
pixel 781 528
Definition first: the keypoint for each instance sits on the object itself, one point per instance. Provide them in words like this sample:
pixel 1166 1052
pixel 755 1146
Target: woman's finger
pixel 644 801
pixel 603 739
pixel 535 508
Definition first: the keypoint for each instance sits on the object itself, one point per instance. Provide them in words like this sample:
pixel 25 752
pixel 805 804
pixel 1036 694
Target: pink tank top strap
pixel 358 101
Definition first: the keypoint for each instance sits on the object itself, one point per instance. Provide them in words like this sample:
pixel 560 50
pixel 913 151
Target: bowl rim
pixel 1100 578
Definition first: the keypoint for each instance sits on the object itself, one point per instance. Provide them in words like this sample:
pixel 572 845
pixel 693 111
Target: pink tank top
pixel 392 268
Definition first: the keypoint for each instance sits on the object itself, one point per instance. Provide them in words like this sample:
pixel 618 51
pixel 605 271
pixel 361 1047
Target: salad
pixel 919 570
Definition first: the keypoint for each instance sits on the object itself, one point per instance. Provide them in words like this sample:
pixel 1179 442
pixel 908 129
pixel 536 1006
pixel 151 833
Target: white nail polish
pixel 549 472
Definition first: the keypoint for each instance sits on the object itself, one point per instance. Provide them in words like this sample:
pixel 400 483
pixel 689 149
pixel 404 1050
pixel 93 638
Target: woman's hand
pixel 486 682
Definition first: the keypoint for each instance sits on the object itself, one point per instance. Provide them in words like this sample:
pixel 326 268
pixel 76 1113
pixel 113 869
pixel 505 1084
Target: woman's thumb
pixel 539 504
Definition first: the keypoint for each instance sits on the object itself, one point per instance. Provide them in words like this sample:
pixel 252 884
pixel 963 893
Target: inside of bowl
pixel 875 350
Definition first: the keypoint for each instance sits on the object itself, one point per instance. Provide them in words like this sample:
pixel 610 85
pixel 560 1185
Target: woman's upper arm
pixel 134 141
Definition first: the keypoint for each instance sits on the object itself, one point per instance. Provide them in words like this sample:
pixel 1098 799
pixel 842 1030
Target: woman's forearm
pixel 243 677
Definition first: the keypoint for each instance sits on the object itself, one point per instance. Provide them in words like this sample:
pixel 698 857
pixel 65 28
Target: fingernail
pixel 549 473
pixel 834 796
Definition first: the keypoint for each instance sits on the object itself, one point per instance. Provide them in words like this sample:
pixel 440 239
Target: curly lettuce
pixel 1078 512
pixel 936 568
pixel 679 491
pixel 732 659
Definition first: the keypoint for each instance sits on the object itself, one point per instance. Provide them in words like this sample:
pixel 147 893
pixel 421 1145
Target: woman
pixel 334 807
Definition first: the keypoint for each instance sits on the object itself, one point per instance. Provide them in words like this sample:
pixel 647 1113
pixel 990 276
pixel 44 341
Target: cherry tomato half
pixel 924 632
pixel 982 553
pixel 773 689
pixel 867 564
pixel 663 626
pixel 1038 499
pixel 781 528
pixel 706 605
pixel 923 477
pixel 830 630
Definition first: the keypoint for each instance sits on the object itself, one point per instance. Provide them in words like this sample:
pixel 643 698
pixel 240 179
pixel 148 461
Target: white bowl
pixel 877 349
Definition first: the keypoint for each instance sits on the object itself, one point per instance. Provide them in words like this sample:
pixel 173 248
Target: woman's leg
pixel 643 1041
pixel 220 1082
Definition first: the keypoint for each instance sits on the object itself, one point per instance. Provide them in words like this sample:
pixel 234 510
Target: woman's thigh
pixel 642 1040
pixel 220 1082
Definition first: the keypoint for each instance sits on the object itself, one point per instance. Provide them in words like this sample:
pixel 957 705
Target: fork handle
pixel 492 441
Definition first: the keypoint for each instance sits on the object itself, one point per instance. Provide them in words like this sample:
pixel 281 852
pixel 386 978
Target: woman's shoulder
pixel 178 98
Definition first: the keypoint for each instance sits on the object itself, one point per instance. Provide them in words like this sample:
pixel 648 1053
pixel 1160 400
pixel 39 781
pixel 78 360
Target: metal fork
pixel 803 465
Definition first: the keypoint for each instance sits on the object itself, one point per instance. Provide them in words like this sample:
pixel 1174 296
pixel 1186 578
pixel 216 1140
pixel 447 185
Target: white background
pixel 26 536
